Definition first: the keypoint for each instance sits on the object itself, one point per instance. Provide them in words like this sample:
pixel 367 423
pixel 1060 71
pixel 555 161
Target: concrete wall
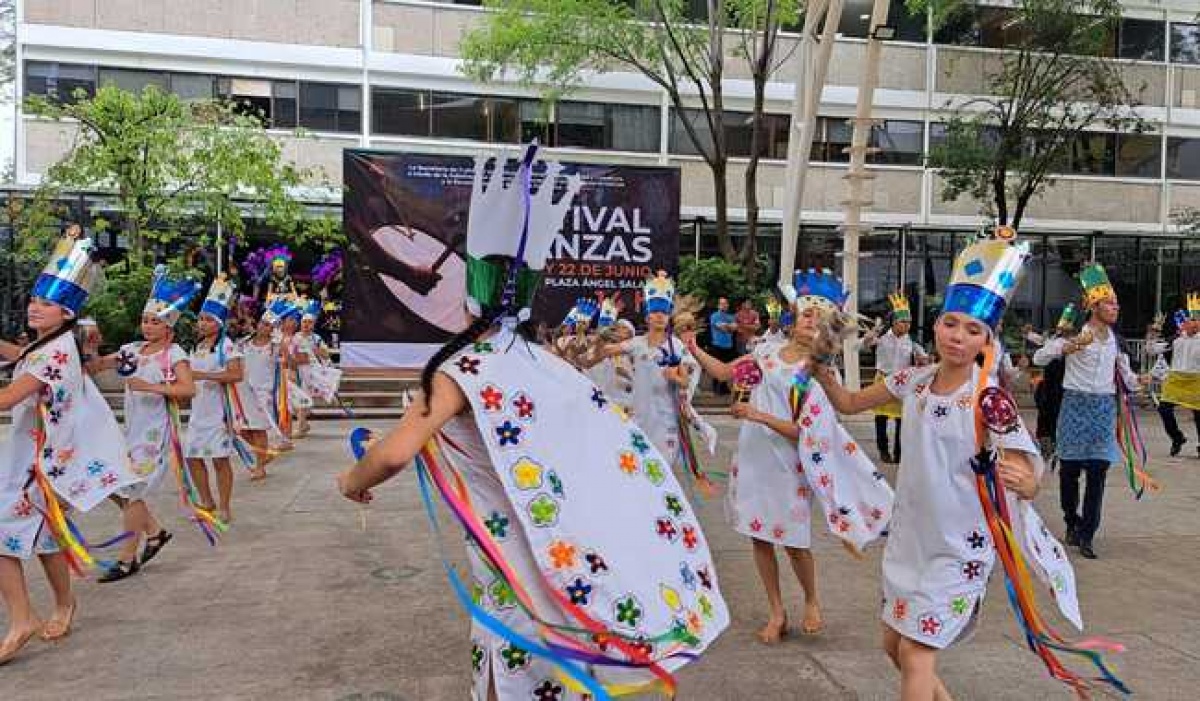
pixel 313 22
pixel 1071 199
pixel 1184 196
pixel 46 143
pixel 433 31
pixel 1187 87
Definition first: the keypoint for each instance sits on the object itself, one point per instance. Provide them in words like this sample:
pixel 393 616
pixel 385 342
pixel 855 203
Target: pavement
pixel 309 597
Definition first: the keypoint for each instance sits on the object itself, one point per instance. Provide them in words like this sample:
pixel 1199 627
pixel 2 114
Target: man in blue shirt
pixel 721 327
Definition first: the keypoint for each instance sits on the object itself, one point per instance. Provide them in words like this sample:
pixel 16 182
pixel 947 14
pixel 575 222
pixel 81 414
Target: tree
pixel 178 167
pixel 555 44
pixel 712 278
pixel 1046 90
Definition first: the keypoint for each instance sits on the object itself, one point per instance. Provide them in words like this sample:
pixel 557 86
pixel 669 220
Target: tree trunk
pixel 721 206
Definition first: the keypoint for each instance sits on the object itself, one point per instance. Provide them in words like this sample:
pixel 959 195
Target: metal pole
pixel 857 176
pixel 220 246
pixel 812 66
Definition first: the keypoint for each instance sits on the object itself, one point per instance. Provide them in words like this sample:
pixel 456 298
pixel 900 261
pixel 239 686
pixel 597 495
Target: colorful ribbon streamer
pixel 1129 439
pixel 1039 636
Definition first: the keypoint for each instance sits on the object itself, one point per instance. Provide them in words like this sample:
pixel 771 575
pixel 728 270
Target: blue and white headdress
pixel 219 300
pixel 170 296
pixel 69 276
pixel 280 308
pixel 985 276
pixel 659 293
pixel 820 288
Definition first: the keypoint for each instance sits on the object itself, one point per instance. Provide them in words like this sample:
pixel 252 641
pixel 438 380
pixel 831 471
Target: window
pixel 283 96
pixel 193 86
pixel 856 20
pixel 900 142
pixel 1092 154
pixel 1139 155
pixel 1142 39
pixel 327 107
pixel 400 112
pixel 1185 43
pixel 1183 158
pixel 516 120
pixel 131 80
pixel 834 135
pixel 59 81
pixel 249 96
pixel 460 116
pixel 607 126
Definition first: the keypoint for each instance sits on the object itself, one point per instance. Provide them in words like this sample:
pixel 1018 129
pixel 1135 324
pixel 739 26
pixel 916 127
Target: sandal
pixel 154 544
pixel 11 654
pixel 54 630
pixel 120 571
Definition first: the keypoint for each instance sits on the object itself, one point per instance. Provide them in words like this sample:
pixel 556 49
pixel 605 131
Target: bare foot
pixel 226 516
pixel 813 623
pixel 774 631
pixel 258 474
pixel 59 625
pixel 17 639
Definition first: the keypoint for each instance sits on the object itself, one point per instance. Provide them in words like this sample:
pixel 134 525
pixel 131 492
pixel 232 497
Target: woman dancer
pixel 292 400
pixel 155 369
pixel 784 458
pixel 212 427
pixel 965 447
pixel 64 444
pixel 260 357
pixel 318 377
pixel 633 592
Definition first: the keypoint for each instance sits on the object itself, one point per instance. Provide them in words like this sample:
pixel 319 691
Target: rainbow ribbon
pixel 235 412
pixel 1039 636
pixel 798 392
pixel 189 497
pixel 283 410
pixel 1129 438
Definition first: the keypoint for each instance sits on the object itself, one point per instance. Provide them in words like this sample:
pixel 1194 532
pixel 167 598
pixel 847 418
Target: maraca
pixel 746 376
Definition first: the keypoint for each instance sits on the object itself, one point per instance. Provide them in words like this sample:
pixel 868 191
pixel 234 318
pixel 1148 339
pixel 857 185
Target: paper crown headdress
pixel 511 220
pixel 169 296
pixel 69 276
pixel 312 309
pixel 816 288
pixel 609 312
pixel 280 308
pixel 985 276
pixel 219 299
pixel 659 293
pixel 899 304
pixel 1066 320
pixel 583 312
pixel 1096 285
pixel 1193 306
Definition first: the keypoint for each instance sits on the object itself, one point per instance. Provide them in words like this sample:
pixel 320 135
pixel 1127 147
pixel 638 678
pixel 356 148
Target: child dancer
pixel 784 459
pixel 580 535
pixel 64 448
pixel 212 427
pixel 318 377
pixel 965 447
pixel 293 401
pixel 155 369
pixel 260 354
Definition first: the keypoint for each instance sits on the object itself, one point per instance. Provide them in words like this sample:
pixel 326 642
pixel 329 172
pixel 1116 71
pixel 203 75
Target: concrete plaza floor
pixel 301 602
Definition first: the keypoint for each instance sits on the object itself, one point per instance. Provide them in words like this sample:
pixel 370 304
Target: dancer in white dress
pixel 665 376
pixel 558 487
pixel 212 431
pixel 786 458
pixel 260 355
pixel 965 447
pixel 612 373
pixel 64 448
pixel 285 314
pixel 154 369
pixel 318 377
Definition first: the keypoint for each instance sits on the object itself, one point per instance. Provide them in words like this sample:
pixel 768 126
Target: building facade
pixel 384 74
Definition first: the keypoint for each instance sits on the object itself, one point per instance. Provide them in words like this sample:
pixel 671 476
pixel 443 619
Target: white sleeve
pixel 1053 349
pixel 1127 374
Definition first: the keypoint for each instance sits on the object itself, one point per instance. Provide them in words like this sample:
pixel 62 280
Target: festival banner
pixel 406 217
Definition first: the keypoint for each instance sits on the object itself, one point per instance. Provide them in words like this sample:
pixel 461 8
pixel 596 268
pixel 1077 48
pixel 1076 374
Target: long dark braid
pixel 464 338
pixel 67 327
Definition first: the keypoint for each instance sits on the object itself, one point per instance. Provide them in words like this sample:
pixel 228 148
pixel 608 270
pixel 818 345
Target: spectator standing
pixel 747 326
pixel 722 325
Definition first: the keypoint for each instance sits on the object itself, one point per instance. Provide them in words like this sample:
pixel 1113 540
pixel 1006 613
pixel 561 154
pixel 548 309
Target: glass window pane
pixel 1142 39
pixel 909 26
pixel 318 106
pixel 59 81
pixel 680 141
pixel 193 86
pixel 349 117
pixel 1093 154
pixel 1139 155
pixel 459 116
pixel 400 112
pixel 1183 158
pixel 961 28
pixel 838 131
pixel 634 127
pixel 607 126
pixel 284 109
pixel 901 142
pixel 132 81
pixel 1185 42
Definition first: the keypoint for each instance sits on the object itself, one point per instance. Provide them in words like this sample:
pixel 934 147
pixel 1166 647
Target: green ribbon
pixel 485 282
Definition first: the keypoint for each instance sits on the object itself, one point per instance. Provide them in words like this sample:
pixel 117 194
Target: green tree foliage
pixel 1044 91
pixel 553 45
pixel 712 278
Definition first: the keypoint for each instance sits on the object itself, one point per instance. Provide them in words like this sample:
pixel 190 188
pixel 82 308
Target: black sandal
pixel 154 544
pixel 119 571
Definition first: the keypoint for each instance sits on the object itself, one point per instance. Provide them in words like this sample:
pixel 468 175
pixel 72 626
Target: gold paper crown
pixel 898 301
pixel 1096 285
pixel 1193 305
pixel 774 309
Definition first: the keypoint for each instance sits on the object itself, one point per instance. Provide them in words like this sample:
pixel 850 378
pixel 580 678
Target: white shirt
pixel 894 353
pixel 1004 371
pixel 1090 369
pixel 1185 354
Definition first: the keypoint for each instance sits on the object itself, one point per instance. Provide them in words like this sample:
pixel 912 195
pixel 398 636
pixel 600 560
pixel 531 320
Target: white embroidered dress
pixel 84 457
pixel 317 377
pixel 579 501
pixel 147 423
pixel 209 432
pixel 939 552
pixel 774 481
pixel 258 364
pixel 654 400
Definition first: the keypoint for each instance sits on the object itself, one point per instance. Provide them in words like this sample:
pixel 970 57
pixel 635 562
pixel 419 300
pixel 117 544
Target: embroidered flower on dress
pixel 628 463
pixel 598 398
pixel 502 595
pixel 23 509
pixel 508 433
pixel 687 576
pixel 580 592
pixel 756 526
pixel 972 570
pixel 654 472
pixel 13 543
pixel 629 611
pixel 497 525
pixel 468 365
pixel 705 577
pixel 959 605
pixel 524 406
pixel 527 474
pixel 548 691
pixel 674 505
pixel 900 609
pixel 543 510
pixel 51 374
pixel 976 540
pixel 639 443
pixel 562 555
pixel 493 398
pixel 666 528
pixel 691 539
pixel 931 625
pixel 596 564
pixel 514 657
